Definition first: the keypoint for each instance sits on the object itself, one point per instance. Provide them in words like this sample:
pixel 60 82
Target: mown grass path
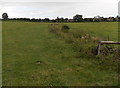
pixel 33 56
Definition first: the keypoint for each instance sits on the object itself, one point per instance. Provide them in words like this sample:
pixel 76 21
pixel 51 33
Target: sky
pixel 58 8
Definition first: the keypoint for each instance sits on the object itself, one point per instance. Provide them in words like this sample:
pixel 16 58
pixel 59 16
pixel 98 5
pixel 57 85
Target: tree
pixel 66 19
pixel 5 16
pixel 88 19
pixel 57 19
pixel 62 19
pixel 78 18
pixel 46 20
pixel 96 19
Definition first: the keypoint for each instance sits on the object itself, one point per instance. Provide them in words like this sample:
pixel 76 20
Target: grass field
pixel 100 29
pixel 33 56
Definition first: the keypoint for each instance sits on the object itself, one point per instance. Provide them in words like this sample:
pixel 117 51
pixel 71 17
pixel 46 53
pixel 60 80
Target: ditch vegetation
pixel 86 46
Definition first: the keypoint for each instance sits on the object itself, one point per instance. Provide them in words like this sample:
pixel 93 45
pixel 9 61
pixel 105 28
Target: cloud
pixel 47 0
pixel 62 9
pixel 107 1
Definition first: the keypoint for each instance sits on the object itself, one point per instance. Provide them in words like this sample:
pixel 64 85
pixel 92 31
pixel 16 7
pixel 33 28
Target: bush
pixel 86 46
pixel 57 27
pixel 65 28
pixel 82 43
pixel 54 28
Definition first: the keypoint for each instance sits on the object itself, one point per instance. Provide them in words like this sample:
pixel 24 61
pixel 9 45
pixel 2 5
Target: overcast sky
pixel 58 8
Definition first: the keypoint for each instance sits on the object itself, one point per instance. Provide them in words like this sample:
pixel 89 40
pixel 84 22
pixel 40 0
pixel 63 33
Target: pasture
pixel 33 56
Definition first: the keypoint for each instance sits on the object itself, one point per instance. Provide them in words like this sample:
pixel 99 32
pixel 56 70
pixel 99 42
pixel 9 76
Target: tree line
pixel 76 18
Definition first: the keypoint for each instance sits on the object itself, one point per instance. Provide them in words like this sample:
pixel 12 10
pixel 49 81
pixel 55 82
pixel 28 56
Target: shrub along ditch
pixel 86 46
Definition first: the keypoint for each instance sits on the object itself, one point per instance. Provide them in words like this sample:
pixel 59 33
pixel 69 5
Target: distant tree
pixel 36 20
pixel 110 19
pixel 102 18
pixel 33 19
pixel 53 20
pixel 96 18
pixel 5 16
pixel 117 18
pixel 105 19
pixel 62 19
pixel 57 19
pixel 88 19
pixel 46 20
pixel 78 18
pixel 66 19
pixel 40 19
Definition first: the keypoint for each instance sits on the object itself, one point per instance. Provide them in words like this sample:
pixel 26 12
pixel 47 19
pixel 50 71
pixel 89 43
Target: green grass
pixel 32 56
pixel 99 29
